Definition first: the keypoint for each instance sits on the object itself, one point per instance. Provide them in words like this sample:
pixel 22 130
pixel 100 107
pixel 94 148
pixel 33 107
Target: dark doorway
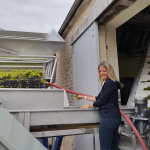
pixel 132 38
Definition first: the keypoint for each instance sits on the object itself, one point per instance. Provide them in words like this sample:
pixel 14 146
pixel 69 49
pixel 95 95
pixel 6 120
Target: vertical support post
pixel 27 120
pixel 58 143
pixel 134 142
pixel 44 142
pixel 94 141
pixel 102 43
pixel 21 117
pixel 53 71
pixel 111 48
pixel 148 141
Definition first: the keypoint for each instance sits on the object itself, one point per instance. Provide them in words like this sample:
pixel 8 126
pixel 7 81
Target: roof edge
pixel 71 13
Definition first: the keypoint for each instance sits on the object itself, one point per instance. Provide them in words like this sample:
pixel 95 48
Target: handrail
pixel 122 113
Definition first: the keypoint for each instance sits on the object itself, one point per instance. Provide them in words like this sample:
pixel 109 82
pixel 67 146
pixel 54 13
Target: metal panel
pixel 3 147
pixel 85 63
pixel 13 43
pixel 84 142
pixel 85 73
pixel 14 136
pixel 70 116
pixel 32 99
pixel 62 133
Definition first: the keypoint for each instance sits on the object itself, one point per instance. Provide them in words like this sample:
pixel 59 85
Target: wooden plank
pixel 65 127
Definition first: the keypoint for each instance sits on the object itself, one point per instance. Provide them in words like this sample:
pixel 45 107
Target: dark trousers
pixel 108 133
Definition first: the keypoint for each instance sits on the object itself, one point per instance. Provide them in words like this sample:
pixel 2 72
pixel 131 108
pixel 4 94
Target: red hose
pixel 122 113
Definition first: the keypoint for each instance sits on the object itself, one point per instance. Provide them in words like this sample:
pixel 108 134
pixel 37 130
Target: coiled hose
pixel 122 113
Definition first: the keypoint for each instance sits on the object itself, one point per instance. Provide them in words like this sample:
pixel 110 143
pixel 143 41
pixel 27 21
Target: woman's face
pixel 103 73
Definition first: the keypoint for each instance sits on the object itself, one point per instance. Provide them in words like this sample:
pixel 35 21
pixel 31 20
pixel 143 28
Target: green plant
pixel 76 97
pixel 147 89
pixel 21 73
pixel 148 97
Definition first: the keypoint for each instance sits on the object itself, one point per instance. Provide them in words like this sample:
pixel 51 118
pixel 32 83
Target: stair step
pixel 141 86
pixel 145 71
pixel 141 94
pixel 144 78
pixel 146 66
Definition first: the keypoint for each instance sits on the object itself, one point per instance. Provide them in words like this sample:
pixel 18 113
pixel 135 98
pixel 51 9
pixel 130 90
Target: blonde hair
pixel 110 70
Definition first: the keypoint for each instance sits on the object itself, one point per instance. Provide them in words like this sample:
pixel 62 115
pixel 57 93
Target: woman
pixel 107 101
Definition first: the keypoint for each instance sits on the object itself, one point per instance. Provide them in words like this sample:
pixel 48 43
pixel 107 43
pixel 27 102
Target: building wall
pixel 64 75
pixel 108 50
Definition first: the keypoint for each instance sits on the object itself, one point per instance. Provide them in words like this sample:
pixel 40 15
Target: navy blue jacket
pixel 107 100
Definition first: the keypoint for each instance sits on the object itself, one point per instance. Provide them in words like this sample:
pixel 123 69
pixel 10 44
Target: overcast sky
pixel 33 15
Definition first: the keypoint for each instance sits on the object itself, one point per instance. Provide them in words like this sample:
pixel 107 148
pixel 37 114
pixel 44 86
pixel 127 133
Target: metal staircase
pixel 144 81
pixel 141 79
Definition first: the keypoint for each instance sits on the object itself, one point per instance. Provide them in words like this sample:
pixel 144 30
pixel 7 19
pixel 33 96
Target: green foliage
pixel 148 97
pixel 20 74
pixel 43 81
pixel 21 78
pixel 76 97
pixel 145 81
pixel 147 89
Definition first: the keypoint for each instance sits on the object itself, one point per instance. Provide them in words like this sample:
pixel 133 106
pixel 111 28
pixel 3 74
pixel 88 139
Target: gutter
pixel 70 15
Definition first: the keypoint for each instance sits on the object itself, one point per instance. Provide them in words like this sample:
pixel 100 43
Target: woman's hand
pixel 85 106
pixel 79 97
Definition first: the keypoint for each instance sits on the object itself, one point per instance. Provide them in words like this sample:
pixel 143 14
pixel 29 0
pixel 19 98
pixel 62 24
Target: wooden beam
pixel 140 19
pixel 66 127
pixel 114 10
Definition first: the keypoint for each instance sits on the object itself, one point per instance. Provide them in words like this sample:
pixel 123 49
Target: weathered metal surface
pixel 13 43
pixel 85 72
pixel 32 99
pixel 62 133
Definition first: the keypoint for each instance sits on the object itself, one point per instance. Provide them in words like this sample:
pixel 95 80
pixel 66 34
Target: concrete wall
pixel 108 46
